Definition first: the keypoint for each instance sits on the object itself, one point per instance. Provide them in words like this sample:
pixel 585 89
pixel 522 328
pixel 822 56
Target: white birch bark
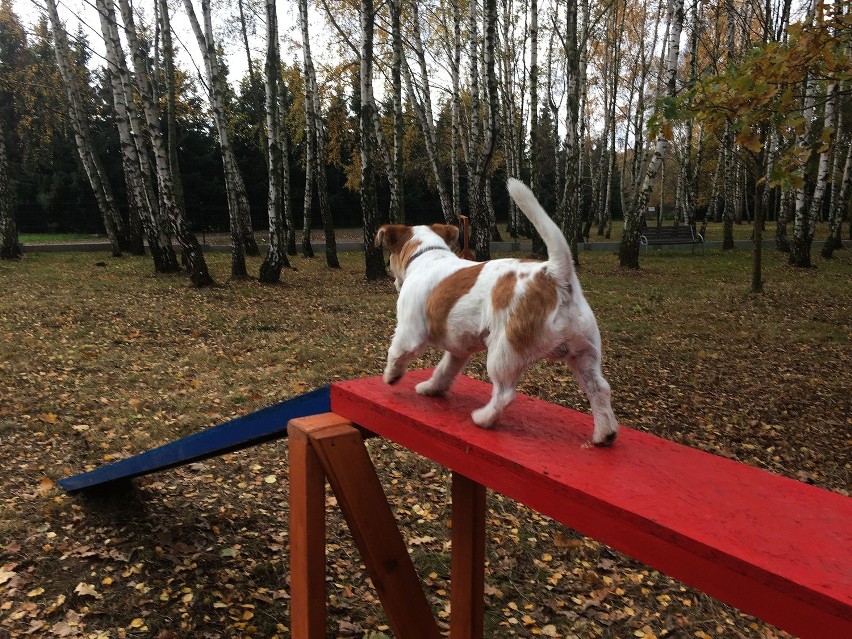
pixel 276 256
pixel 196 264
pixel 455 140
pixel 629 248
pixel 420 97
pixel 83 137
pixel 839 203
pixel 162 253
pixel 803 222
pixel 326 215
pixel 823 169
pixel 234 185
pixel 373 256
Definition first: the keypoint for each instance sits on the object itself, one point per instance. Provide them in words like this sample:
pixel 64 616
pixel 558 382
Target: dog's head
pixel 405 243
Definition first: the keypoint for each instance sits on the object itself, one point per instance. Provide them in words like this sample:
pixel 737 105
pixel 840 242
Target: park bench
pixel 670 236
pixel 771 546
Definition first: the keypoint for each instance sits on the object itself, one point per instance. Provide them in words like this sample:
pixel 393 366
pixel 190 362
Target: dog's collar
pixel 424 250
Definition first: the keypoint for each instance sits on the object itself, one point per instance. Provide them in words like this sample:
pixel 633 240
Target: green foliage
pixel 762 90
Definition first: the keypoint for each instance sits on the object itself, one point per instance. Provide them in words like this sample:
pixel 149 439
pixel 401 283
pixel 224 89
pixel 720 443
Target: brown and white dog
pixel 520 310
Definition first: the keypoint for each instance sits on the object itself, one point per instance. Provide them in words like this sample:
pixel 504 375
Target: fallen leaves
pixel 97 374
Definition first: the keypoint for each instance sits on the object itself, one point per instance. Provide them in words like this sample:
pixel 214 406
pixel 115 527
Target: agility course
pixel 255 428
pixel 771 546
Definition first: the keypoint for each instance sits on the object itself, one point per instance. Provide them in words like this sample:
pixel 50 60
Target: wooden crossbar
pixel 771 546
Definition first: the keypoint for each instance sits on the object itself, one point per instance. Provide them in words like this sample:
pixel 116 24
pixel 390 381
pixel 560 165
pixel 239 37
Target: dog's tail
pixel 559 255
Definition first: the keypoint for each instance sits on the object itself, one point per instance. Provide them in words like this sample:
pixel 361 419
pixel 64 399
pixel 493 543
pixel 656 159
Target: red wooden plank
pixel 771 546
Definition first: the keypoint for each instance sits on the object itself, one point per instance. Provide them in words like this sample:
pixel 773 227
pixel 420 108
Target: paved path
pixel 352 247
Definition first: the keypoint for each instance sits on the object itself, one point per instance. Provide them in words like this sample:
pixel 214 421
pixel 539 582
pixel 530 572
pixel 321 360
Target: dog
pixel 519 310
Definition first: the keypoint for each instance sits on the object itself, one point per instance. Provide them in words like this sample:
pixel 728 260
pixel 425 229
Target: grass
pixel 43 238
pixel 99 363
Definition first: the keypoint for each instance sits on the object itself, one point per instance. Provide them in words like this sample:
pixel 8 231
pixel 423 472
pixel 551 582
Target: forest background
pixel 726 111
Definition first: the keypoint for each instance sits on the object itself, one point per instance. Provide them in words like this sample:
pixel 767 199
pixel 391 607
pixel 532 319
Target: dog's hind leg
pixel 585 362
pixel 505 370
pixel 444 375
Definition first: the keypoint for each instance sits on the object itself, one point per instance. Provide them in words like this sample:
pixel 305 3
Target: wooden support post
pixel 353 478
pixel 307 528
pixel 467 564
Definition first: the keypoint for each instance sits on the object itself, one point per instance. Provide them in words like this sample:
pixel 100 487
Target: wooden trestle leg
pixel 340 450
pixel 467 563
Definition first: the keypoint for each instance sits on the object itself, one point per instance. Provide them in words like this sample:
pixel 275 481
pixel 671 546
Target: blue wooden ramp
pixel 252 429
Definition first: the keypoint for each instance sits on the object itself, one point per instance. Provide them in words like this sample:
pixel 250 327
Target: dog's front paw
pixel 392 376
pixel 428 388
pixel 484 417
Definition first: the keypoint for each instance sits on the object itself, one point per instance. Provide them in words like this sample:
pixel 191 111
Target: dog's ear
pixel 448 232
pixel 392 236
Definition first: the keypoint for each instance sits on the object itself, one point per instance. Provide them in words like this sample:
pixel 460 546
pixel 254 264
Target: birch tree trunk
pixel 140 197
pixel 729 188
pixel 805 219
pixel 276 256
pixel 315 147
pixel 286 200
pixel 397 206
pixel 421 101
pixel 839 202
pixel 569 204
pixel 455 139
pixel 538 247
pixel 196 264
pixel 331 259
pixel 216 89
pixel 164 24
pixel 480 158
pixel 246 48
pixel 823 168
pixel 83 137
pixel 373 255
pixel 310 136
pixel 10 246
pixel 629 248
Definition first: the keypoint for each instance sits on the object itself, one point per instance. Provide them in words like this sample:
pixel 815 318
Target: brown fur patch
pixel 503 291
pixel 445 295
pixel 448 232
pixel 393 236
pixel 538 301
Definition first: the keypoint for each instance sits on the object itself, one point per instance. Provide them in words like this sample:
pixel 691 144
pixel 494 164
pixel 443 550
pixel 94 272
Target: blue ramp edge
pixel 255 428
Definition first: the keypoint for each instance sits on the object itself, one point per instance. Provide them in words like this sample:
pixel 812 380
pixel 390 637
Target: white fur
pixel 569 332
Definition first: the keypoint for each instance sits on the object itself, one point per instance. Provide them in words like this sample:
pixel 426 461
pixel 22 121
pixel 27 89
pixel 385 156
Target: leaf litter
pixel 100 364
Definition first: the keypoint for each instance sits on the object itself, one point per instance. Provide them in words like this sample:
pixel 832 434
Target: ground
pixel 101 362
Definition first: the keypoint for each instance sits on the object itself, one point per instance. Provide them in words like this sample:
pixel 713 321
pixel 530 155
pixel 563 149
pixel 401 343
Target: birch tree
pixel 629 248
pixel 195 262
pixel 238 204
pixel 276 256
pixel 481 153
pixel 420 96
pixel 839 202
pixel 83 137
pixel 315 164
pixel 374 257
pixel 141 196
